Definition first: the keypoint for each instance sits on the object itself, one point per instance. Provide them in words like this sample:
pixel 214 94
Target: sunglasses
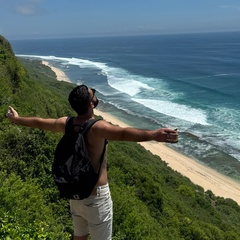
pixel 93 90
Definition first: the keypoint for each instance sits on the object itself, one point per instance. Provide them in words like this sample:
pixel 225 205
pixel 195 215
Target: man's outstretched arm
pixel 51 124
pixel 104 129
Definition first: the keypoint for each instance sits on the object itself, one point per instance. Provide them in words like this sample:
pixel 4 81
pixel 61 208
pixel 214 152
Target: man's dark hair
pixel 79 99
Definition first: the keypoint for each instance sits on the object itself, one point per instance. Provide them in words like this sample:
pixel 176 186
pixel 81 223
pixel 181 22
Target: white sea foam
pixel 128 83
pixel 227 118
pixel 83 63
pixel 175 110
pixel 118 78
pixel 142 89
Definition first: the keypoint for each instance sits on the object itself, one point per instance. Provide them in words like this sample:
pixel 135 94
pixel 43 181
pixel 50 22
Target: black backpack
pixel 72 169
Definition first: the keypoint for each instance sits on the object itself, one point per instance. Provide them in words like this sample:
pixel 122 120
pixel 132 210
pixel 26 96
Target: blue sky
pixel 25 19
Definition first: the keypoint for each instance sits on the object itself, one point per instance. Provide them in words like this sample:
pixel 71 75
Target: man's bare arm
pixel 51 124
pixel 104 129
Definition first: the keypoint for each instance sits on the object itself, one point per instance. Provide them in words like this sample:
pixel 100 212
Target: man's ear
pixel 91 105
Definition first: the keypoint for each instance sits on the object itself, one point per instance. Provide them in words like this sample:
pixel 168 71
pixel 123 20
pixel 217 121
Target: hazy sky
pixel 75 18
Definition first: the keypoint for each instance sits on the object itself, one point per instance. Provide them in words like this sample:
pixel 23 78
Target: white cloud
pixel 26 10
pixel 29 7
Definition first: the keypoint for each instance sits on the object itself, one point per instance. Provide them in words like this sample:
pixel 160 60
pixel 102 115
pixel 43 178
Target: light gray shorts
pixel 93 215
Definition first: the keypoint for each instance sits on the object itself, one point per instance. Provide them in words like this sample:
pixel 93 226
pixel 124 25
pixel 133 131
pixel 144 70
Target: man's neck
pixel 85 117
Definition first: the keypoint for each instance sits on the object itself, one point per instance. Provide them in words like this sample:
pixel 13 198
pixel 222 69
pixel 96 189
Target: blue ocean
pixel 186 81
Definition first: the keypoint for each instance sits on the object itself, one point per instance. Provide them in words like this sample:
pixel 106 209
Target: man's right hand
pixel 11 113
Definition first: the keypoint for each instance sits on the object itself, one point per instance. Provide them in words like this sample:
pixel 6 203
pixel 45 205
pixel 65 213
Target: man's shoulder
pixel 62 120
pixel 105 130
pixel 98 127
pixel 60 124
pixel 100 123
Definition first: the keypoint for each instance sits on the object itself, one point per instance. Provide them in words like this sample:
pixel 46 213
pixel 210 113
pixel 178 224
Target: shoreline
pixel 60 75
pixel 198 173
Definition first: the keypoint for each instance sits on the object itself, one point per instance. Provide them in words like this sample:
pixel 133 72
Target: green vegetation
pixel 151 201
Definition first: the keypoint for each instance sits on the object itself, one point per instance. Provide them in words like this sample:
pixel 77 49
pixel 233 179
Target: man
pixel 94 214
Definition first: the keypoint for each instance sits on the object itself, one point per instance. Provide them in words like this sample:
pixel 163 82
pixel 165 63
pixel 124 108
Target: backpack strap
pixel 68 127
pixel 85 127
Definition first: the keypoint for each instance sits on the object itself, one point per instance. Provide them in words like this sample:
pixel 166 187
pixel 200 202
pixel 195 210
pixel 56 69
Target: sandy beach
pixel 61 76
pixel 199 174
